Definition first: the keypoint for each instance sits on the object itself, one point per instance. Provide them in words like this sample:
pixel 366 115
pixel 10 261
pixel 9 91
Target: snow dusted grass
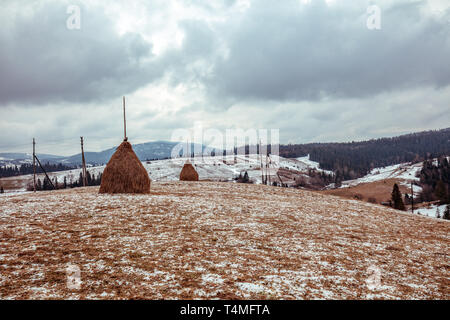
pixel 405 172
pixel 206 240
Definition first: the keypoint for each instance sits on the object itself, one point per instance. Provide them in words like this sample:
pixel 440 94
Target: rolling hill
pixel 212 240
pixel 355 159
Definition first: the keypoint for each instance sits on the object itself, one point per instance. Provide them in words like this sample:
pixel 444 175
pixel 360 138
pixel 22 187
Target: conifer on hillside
pixel 440 191
pixel 396 197
pixel 446 214
pixel 246 178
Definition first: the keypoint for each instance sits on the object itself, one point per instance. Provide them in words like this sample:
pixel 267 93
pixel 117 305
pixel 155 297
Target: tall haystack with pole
pixel 124 172
pixel 188 173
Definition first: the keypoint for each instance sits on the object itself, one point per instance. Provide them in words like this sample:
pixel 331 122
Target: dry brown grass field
pixel 378 190
pixel 204 240
pixel 16 182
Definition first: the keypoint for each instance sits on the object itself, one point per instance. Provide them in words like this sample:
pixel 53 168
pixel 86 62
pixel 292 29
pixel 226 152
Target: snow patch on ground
pixel 308 163
pixel 403 171
pixel 431 211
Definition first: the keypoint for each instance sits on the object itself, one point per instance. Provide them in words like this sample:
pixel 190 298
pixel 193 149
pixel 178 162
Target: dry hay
pixel 125 173
pixel 188 173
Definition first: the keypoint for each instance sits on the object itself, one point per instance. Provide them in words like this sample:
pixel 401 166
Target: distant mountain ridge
pixel 16 158
pixel 144 151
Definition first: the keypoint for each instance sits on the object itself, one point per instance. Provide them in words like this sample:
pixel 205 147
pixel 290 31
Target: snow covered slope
pixel 218 168
pixel 404 172
pixel 308 163
pixel 431 210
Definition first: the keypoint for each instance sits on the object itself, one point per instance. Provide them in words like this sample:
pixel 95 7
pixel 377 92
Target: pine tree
pixel 1 189
pixel 337 179
pixel 46 185
pixel 397 198
pixel 446 214
pixel 246 179
pixel 438 213
pixel 65 182
pixel 89 178
pixel 98 179
pixel 440 191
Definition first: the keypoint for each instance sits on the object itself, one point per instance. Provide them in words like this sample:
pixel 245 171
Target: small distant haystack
pixel 125 173
pixel 188 173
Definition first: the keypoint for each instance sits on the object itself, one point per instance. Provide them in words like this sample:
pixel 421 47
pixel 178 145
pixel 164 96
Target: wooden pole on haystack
pixel 124 122
pixel 34 166
pixel 412 198
pixel 83 164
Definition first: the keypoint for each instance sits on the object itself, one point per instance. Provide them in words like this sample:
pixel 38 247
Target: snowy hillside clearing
pixel 406 172
pixel 216 168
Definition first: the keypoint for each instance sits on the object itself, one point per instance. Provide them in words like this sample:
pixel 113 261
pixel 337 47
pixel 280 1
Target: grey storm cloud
pixel 275 51
pixel 42 61
pixel 287 51
pixel 315 71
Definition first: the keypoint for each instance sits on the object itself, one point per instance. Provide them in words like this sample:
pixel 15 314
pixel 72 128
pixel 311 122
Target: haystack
pixel 125 173
pixel 188 173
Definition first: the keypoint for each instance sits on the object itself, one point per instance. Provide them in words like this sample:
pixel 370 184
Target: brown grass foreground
pixel 217 240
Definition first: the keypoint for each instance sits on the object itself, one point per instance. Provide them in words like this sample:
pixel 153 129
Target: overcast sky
pixel 312 69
